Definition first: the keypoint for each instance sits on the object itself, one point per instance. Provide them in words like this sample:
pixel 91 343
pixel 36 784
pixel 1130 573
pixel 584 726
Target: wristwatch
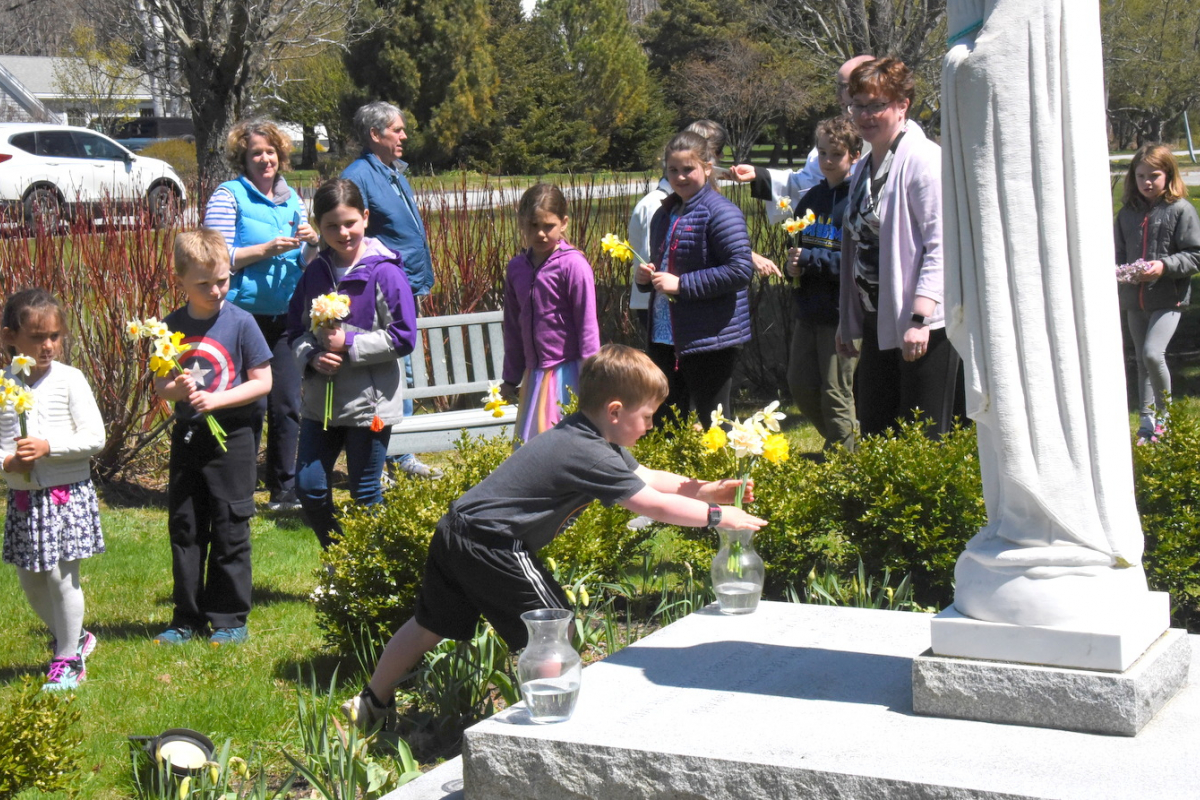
pixel 918 318
pixel 714 515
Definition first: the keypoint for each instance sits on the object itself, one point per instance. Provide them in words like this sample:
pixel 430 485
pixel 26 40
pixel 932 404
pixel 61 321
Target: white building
pixel 31 91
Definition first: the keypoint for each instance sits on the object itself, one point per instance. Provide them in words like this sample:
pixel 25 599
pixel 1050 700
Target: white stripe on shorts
pixel 534 577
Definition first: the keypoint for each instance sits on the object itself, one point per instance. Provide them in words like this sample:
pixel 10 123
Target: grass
pixel 134 687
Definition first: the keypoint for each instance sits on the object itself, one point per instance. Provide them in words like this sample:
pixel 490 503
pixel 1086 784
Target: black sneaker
pixel 284 500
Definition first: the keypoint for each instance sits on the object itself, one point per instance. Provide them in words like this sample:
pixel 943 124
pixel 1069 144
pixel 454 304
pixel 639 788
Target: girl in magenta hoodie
pixel 549 314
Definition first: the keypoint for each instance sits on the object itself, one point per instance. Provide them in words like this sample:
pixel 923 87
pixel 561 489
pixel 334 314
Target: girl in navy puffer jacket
pixel 701 268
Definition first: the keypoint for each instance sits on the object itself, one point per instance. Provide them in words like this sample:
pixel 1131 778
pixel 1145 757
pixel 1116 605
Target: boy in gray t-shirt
pixel 482 557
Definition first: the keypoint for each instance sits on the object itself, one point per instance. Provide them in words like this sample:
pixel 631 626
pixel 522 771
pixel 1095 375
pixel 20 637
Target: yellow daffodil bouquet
pixel 492 401
pixel 795 226
pixel 16 395
pixel 746 442
pixel 328 311
pixel 165 350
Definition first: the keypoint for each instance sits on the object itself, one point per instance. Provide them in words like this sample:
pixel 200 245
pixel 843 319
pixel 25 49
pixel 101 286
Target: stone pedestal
pixel 1110 643
pixel 1092 701
pixel 804 701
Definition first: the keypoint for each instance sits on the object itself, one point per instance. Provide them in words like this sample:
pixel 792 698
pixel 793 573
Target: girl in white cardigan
pixel 53 517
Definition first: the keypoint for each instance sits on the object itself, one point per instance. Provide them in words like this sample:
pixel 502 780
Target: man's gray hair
pixel 374 116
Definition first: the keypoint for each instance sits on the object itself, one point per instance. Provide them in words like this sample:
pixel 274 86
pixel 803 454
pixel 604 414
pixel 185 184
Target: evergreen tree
pixel 430 58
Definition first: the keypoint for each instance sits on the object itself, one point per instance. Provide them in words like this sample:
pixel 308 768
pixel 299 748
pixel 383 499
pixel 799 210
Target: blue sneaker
pixel 64 675
pixel 175 635
pixel 224 636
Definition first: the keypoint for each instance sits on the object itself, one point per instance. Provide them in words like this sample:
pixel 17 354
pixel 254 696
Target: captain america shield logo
pixel 209 364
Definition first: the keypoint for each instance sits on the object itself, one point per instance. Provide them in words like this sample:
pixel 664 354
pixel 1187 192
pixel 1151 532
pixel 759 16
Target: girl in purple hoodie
pixel 549 314
pixel 352 378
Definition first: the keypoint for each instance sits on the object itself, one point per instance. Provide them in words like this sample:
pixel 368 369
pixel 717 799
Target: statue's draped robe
pixel 1032 309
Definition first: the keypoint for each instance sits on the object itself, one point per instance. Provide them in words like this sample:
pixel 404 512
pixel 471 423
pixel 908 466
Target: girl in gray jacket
pixel 1159 225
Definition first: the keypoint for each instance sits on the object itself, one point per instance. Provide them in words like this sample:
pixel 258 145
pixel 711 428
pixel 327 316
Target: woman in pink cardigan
pixel 891 283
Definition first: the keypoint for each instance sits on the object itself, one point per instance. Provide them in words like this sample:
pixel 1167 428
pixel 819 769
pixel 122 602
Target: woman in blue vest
pixel 264 225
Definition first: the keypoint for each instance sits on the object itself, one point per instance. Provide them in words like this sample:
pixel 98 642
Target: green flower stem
pixel 328 403
pixel 214 427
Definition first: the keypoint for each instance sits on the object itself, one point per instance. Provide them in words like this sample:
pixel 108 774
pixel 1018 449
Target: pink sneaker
pixel 64 675
pixel 87 643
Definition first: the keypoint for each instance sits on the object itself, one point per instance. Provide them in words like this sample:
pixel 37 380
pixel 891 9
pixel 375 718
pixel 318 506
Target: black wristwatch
pixel 714 515
pixel 919 318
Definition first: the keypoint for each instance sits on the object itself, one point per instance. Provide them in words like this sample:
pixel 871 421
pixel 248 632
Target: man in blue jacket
pixel 394 220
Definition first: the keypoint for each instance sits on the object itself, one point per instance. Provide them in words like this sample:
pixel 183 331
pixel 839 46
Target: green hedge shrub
pixel 39 742
pixel 1167 485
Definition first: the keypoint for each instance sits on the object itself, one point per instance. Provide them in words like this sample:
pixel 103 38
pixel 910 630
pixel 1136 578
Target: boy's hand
pixel 1153 272
pixel 793 263
pixel 508 392
pixel 332 339
pixel 30 449
pixel 734 519
pixel 205 402
pixel 724 491
pixel 327 363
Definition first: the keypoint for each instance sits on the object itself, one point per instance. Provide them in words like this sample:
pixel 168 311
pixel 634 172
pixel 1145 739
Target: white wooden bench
pixel 455 355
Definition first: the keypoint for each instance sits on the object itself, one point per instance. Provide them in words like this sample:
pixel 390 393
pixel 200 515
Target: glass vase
pixel 737 572
pixel 549 669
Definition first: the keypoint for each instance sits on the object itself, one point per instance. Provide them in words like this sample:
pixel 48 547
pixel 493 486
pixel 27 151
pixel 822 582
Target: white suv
pixel 49 173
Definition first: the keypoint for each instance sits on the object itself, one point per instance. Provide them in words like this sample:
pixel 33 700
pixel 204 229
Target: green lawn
pixel 135 687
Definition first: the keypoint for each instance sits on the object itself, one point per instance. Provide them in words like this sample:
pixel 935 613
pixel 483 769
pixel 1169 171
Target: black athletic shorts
pixel 468 574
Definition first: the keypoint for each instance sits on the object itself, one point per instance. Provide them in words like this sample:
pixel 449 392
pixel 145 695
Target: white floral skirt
pixel 46 526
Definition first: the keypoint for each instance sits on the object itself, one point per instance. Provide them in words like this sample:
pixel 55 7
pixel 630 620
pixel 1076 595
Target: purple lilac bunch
pixel 1132 273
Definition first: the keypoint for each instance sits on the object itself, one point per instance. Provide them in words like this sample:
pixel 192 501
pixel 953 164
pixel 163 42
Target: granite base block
pixel 1114 703
pixel 803 701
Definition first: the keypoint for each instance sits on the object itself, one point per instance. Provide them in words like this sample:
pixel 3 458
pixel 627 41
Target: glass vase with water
pixel 549 669
pixel 737 572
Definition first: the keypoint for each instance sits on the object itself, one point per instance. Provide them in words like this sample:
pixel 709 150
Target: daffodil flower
pixel 784 204
pixel 133 329
pixel 745 441
pixel 619 249
pixel 492 401
pixel 714 439
pixel 775 448
pixel 769 417
pixel 23 364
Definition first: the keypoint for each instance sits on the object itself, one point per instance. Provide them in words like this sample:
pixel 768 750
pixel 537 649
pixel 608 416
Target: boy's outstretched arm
pixel 720 492
pixel 676 507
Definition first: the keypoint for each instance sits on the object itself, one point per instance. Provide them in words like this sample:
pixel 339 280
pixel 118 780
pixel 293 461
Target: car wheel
pixel 164 205
pixel 43 210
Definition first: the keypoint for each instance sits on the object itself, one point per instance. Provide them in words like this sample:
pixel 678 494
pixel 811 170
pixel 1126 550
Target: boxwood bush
pixel 901 503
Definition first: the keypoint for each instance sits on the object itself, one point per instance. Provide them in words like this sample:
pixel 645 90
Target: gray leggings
pixel 57 599
pixel 1152 332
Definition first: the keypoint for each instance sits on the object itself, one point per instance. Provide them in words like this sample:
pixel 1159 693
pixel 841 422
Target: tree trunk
pixel 308 151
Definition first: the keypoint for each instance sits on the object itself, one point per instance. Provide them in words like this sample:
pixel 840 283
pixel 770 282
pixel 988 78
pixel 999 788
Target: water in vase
pixel 738 597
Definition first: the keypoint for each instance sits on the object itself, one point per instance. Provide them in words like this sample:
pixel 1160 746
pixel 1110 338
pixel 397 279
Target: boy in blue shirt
pixel 210 497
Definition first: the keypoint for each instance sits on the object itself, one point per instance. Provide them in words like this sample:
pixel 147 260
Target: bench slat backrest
pixel 483 335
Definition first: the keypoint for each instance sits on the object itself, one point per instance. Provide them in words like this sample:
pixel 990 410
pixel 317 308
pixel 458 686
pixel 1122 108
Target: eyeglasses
pixel 870 109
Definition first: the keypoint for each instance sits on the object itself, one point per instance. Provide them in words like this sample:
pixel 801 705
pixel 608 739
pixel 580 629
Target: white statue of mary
pixel 1033 313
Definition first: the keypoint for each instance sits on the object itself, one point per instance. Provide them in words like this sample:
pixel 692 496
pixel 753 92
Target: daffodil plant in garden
pixel 166 349
pixel 745 443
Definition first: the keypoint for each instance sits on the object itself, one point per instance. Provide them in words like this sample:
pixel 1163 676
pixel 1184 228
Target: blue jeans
pixel 319 450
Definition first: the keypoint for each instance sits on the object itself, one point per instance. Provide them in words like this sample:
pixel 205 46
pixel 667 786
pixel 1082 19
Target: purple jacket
pixel 910 242
pixel 380 330
pixel 709 249
pixel 549 312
